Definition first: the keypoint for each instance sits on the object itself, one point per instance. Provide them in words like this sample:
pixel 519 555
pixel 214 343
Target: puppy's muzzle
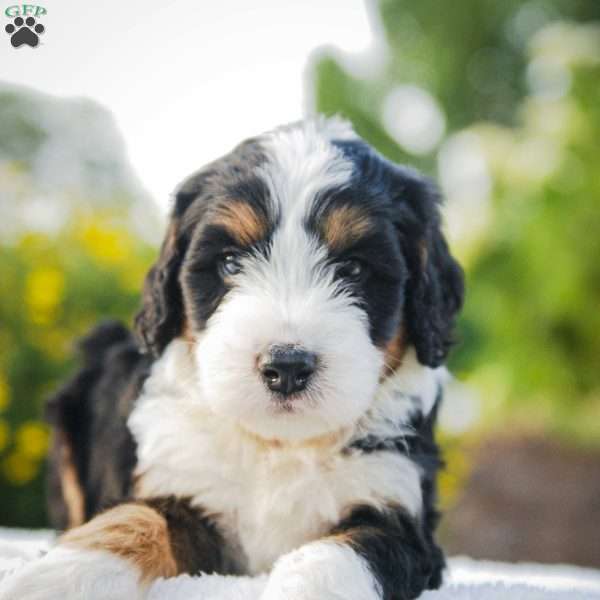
pixel 287 369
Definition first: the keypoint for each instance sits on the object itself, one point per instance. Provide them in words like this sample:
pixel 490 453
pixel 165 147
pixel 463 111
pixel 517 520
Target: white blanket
pixel 466 579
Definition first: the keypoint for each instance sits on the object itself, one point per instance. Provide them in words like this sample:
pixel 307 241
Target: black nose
pixel 287 369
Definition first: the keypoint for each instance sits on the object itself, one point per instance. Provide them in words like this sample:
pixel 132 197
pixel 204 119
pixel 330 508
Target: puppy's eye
pixel 230 264
pixel 352 270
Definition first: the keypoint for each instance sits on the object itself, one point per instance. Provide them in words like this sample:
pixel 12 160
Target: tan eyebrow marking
pixel 244 224
pixel 345 225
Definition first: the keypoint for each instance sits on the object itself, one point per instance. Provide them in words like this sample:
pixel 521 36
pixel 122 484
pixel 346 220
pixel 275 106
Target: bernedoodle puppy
pixel 275 411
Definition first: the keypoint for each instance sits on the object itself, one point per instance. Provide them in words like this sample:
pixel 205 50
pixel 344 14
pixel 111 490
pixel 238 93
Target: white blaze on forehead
pixel 294 281
pixel 302 162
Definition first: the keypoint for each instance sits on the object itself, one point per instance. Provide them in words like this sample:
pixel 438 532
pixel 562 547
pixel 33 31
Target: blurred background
pixel 499 101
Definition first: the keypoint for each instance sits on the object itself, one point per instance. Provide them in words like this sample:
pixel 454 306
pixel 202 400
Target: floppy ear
pixel 161 317
pixel 435 288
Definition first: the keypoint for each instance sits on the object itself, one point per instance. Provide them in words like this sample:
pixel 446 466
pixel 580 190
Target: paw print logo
pixel 24 32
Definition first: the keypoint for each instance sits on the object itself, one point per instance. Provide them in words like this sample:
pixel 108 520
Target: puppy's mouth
pixel 294 403
pixel 284 405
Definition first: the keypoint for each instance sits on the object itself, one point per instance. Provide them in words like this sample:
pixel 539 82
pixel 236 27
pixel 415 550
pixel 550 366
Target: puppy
pixel 276 411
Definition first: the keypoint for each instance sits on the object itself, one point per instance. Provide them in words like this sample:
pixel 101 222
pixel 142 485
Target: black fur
pixel 432 289
pixel 382 290
pixel 177 272
pixel 195 541
pixel 393 543
pixel 90 413
pixel 419 445
pixel 436 279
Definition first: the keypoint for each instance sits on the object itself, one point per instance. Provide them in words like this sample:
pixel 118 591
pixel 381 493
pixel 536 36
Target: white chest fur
pixel 267 498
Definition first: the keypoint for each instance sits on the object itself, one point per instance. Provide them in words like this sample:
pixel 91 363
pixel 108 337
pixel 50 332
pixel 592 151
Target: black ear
pixel 161 317
pixel 435 288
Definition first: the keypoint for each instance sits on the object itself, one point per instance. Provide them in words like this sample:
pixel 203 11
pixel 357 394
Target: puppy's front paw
pixel 73 574
pixel 321 571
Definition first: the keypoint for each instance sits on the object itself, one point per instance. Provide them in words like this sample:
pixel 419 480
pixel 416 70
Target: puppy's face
pixel 289 265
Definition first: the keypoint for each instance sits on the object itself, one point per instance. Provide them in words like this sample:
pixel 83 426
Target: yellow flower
pixel 4 394
pixel 44 290
pixel 18 469
pixel 32 440
pixel 4 434
pixel 108 246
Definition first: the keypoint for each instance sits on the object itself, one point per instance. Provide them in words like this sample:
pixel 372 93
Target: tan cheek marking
pixel 394 352
pixel 134 532
pixel 244 224
pixel 345 225
pixel 69 481
pixel 396 347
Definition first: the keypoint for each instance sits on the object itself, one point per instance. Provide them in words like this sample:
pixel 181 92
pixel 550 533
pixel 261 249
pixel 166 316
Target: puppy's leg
pixel 120 552
pixel 323 570
pixel 372 555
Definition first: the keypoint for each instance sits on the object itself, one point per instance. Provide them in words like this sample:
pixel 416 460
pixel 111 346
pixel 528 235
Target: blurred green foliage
pixel 519 84
pixel 532 321
pixel 53 289
pixel 471 56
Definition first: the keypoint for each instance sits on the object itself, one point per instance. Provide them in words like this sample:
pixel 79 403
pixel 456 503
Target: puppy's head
pixel 301 266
